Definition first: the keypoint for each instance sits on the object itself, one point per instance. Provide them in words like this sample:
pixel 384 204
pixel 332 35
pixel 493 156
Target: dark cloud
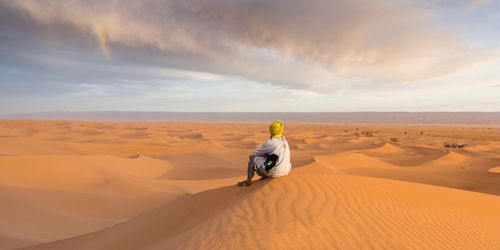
pixel 286 42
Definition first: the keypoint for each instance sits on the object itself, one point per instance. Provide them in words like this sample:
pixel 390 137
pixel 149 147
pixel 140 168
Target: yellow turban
pixel 276 129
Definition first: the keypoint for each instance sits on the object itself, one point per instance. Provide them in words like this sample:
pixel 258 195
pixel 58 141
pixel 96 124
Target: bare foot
pixel 244 183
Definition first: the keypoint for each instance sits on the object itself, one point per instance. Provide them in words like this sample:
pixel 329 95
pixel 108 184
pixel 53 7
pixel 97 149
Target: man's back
pixel 279 147
pixel 262 160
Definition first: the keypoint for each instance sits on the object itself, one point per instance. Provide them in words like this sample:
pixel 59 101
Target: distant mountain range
pixel 478 118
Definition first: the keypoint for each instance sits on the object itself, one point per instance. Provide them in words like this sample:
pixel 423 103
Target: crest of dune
pixel 311 208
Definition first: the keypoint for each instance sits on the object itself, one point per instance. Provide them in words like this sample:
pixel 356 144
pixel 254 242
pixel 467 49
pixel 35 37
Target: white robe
pixel 278 146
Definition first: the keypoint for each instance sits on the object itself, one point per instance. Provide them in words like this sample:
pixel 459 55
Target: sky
pixel 249 55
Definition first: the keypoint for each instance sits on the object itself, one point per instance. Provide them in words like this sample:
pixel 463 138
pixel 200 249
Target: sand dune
pixel 310 209
pixel 93 172
pixel 131 185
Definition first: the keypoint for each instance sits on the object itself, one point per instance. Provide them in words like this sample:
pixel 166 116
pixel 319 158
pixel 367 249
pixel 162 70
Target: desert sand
pixel 156 185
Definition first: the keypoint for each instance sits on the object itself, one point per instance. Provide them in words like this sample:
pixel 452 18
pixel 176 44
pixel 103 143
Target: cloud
pixel 290 43
pixel 479 2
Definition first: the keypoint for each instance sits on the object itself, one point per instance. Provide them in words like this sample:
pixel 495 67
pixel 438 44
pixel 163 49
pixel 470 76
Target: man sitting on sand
pixel 271 159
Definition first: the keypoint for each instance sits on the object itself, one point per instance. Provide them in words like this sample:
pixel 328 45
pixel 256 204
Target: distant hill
pixel 478 118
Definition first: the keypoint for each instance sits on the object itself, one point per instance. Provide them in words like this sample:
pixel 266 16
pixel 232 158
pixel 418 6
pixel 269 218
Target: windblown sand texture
pixel 133 185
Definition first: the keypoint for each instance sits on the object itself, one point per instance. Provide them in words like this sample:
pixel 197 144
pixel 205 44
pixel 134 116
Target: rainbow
pixel 102 38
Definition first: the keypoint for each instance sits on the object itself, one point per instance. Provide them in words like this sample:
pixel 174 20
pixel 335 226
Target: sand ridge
pixel 341 212
pixel 62 179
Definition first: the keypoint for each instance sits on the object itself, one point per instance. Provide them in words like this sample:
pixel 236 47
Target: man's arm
pixel 263 150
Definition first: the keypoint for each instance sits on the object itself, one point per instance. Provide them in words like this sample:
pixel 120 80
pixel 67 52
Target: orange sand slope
pixel 163 185
pixel 311 208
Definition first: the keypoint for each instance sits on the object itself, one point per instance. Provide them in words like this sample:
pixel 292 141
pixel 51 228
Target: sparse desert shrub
pixel 395 139
pixel 454 145
pixel 367 133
